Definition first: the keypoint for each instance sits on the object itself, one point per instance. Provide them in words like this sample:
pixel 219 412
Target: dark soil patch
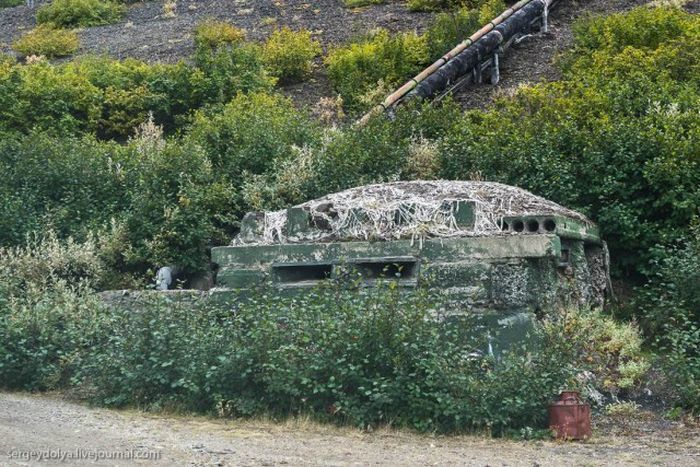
pixel 146 34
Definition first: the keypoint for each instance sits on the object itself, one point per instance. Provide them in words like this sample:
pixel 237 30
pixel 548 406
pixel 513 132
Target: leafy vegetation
pixel 616 138
pixel 10 3
pixel 47 41
pixel 360 358
pixel 670 307
pixel 145 165
pixel 381 59
pixel 212 34
pixel 80 13
pixel 289 54
pixel 355 70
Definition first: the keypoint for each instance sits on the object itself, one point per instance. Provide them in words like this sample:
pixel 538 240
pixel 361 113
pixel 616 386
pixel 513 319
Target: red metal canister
pixel 570 417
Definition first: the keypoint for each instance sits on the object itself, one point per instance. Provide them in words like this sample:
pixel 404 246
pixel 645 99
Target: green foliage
pixel 168 203
pixel 613 33
pixel 670 307
pixel 365 70
pixel 226 70
pixel 611 351
pixel 617 138
pixel 436 5
pixel 10 3
pixel 380 356
pixel 110 98
pixel 252 133
pixel 69 185
pixel 382 150
pixel 449 29
pixel 47 315
pixel 289 55
pixel 212 34
pixel 132 90
pixel 47 41
pixel 178 204
pixel 355 69
pixel 361 3
pixel 80 13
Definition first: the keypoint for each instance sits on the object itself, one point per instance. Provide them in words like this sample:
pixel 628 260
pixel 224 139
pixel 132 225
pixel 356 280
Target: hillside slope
pixel 146 34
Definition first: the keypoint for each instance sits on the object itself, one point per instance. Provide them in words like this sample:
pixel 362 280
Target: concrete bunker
pixel 487 247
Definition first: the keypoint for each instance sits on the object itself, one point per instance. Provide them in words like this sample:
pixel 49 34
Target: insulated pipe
pixel 472 57
pixel 413 82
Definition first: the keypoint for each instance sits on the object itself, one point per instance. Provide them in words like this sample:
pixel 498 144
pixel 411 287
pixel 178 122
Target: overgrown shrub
pixel 68 185
pixel 132 91
pixel 365 358
pixel 442 5
pixel 168 202
pixel 110 98
pixel 289 55
pixel 670 307
pixel 10 3
pixel 360 70
pixel 212 34
pixel 80 13
pixel 48 315
pixel 361 3
pixel 380 151
pixel 449 29
pixel 616 138
pixel 47 41
pixel 252 133
pixel 355 69
pixel 226 70
pixel 179 205
pixel 610 350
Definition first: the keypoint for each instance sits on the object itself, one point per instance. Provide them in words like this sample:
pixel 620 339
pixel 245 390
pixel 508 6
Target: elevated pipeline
pixel 469 55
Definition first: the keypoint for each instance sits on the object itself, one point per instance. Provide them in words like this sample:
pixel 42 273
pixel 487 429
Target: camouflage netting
pixel 406 210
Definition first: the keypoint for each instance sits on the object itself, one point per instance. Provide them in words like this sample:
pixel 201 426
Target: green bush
pixel 669 305
pixel 361 3
pixel 289 54
pixel 45 40
pixel 47 314
pixel 252 133
pixel 227 70
pixel 380 356
pixel 80 13
pixel 168 203
pixel 615 32
pixel 356 69
pixel 179 205
pixel 449 29
pixel 131 91
pixel 10 3
pixel 110 98
pixel 380 151
pixel 69 185
pixel 365 71
pixel 449 5
pixel 610 350
pixel 616 139
pixel 212 34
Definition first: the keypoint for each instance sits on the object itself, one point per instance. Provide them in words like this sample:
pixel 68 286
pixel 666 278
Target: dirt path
pixel 51 426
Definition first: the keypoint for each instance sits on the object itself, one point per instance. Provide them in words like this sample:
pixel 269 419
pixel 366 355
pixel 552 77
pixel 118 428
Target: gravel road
pixel 49 426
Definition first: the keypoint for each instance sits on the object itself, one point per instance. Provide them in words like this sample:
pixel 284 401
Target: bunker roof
pixel 405 210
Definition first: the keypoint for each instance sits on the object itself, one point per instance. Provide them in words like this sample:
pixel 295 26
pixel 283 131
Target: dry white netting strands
pixel 414 210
